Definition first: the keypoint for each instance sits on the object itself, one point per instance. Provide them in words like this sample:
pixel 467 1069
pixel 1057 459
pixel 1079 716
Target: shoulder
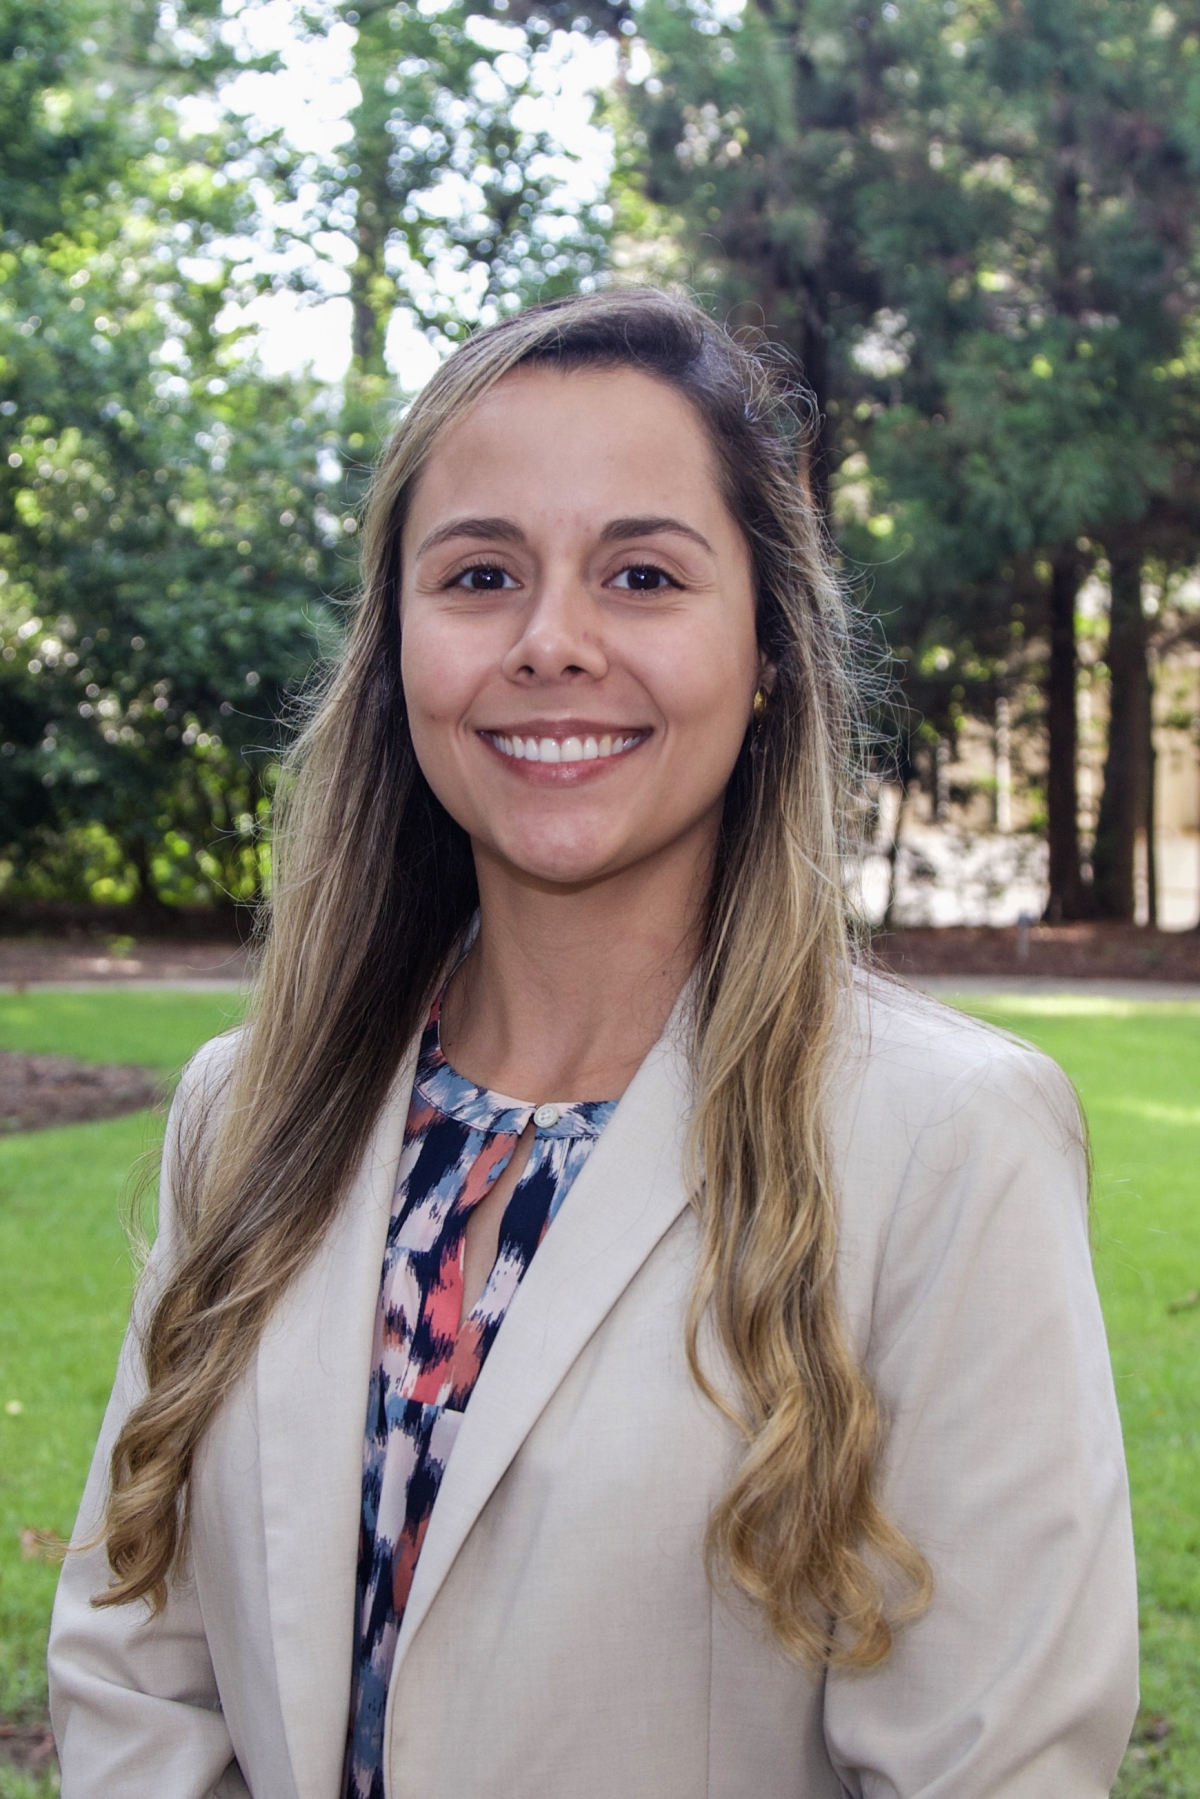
pixel 207 1072
pixel 202 1085
pixel 194 1108
pixel 915 1065
pixel 945 1131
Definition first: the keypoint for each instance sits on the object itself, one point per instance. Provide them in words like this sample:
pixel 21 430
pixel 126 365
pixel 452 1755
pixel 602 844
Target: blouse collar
pixel 484 1110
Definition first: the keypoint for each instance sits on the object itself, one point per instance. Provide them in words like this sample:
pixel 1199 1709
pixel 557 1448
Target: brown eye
pixel 643 577
pixel 484 577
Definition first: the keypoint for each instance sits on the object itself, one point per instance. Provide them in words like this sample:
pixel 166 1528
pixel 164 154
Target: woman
pixel 791 1465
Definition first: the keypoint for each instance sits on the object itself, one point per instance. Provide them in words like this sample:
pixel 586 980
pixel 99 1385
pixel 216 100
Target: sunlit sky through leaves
pixel 308 99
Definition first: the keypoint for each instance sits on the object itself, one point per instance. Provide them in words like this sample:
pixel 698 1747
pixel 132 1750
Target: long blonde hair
pixel 374 889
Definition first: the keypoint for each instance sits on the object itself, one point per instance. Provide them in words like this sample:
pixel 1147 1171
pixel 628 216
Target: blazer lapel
pixel 313 1371
pixel 625 1199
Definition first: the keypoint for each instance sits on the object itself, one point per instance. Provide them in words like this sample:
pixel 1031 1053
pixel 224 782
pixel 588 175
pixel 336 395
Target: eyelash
pixel 653 568
pixel 469 568
pixel 479 562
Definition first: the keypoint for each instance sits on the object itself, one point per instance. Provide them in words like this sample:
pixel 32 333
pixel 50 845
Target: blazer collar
pixel 313 1370
pixel 626 1197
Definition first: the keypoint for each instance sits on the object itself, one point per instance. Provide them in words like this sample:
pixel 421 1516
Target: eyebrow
pixel 618 530
pixel 621 528
pixel 477 528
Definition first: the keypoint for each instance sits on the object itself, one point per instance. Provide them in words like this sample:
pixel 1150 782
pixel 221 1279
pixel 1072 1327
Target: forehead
pixel 603 438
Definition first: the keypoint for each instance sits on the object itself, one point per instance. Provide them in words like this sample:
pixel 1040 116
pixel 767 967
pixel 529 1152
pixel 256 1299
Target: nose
pixel 561 635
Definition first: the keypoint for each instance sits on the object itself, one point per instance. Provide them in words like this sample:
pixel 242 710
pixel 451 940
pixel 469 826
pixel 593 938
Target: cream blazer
pixel 562 1640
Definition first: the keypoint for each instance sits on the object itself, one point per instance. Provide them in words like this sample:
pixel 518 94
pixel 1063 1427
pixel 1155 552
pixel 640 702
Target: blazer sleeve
pixel 133 1698
pixel 1004 1463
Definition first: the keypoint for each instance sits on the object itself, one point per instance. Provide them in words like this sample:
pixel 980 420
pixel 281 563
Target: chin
pixel 565 872
pixel 572 864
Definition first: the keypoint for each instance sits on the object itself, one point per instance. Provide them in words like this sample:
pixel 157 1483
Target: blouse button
pixel 545 1117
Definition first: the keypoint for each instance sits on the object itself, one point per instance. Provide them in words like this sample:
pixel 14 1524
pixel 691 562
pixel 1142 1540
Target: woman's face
pixel 578 631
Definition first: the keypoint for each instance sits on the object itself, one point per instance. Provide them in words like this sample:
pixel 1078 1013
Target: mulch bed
pixel 1080 951
pixel 37 1091
pixel 29 1747
pixel 80 958
pixel 1075 951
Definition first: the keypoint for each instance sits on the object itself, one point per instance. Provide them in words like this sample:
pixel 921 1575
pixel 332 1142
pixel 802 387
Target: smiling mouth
pixel 565 749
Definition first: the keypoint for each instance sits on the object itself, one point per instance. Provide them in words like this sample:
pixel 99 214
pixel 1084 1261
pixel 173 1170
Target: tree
pixel 171 522
pixel 1124 805
pixel 763 140
pixel 448 192
pixel 164 539
pixel 1109 142
pixel 973 226
pixel 454 200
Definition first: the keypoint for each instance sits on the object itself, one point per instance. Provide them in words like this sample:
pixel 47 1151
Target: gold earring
pixel 760 704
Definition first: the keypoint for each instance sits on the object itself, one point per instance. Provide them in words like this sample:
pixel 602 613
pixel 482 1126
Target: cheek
pixel 702 682
pixel 437 686
pixel 431 720
pixel 436 669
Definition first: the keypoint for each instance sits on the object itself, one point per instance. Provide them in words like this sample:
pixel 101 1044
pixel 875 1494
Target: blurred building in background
pixel 965 843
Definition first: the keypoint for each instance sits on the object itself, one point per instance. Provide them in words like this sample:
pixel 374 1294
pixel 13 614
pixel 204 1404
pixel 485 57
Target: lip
pixel 580 767
pixel 562 728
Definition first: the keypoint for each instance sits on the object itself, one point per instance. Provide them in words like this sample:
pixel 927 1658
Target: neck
pixel 566 990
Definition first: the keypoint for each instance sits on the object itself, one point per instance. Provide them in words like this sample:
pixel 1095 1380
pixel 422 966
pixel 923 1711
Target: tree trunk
pixel 1067 898
pixel 1151 838
pixel 888 922
pixel 1003 740
pixel 138 851
pixel 371 288
pixel 1123 805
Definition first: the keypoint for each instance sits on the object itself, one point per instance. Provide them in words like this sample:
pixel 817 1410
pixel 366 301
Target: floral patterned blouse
pixel 457 1143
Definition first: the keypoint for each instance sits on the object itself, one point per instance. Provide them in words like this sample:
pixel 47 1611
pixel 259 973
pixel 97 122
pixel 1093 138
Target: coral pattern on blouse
pixel 457 1142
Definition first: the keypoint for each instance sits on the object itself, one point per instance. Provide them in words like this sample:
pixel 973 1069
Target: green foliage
pixel 176 529
pixel 164 595
pixel 1056 404
pixel 452 196
pixel 165 543
pixel 27 1786
pixel 974 225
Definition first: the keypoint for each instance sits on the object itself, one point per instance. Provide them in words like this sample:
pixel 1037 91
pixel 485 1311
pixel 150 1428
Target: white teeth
pixel 570 749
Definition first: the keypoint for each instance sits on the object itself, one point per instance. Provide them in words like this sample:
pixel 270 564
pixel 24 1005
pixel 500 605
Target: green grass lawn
pixel 1138 1070
pixel 64 1291
pixel 65 1273
pixel 154 1029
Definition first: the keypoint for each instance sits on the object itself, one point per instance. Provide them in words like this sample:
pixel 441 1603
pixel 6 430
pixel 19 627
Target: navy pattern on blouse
pixel 457 1142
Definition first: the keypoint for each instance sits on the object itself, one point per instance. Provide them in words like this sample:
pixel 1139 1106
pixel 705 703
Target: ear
pixel 768 674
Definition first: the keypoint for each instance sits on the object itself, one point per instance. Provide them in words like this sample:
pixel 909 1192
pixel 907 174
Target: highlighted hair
pixel 375 887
